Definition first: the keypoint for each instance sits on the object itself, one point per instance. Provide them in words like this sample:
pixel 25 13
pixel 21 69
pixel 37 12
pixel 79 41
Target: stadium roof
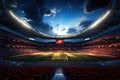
pixel 108 18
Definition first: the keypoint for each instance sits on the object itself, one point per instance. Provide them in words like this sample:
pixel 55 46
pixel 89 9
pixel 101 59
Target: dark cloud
pixel 72 30
pixel 47 12
pixel 57 25
pixel 45 27
pixel 35 11
pixel 82 26
pixel 92 5
pixel 86 23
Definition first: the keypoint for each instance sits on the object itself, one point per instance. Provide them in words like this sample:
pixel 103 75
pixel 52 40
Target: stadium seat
pixel 92 73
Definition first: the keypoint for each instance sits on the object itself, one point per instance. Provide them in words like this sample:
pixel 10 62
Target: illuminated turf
pixel 61 55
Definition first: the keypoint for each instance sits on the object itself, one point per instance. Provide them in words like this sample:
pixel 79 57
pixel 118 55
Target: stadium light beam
pixel 100 19
pixel 21 21
pixel 32 39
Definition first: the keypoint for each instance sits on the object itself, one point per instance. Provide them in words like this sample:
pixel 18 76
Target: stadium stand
pixel 26 73
pixel 92 72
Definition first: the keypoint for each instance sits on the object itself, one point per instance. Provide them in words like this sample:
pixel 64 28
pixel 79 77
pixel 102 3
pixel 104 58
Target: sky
pixel 68 16
pixel 59 17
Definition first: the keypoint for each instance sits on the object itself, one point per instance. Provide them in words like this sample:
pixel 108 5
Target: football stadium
pixel 59 40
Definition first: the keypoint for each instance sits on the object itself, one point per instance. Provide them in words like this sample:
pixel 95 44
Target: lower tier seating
pixel 26 73
pixel 92 72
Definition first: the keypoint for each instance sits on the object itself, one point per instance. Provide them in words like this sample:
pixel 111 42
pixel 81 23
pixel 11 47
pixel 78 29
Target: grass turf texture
pixel 62 56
